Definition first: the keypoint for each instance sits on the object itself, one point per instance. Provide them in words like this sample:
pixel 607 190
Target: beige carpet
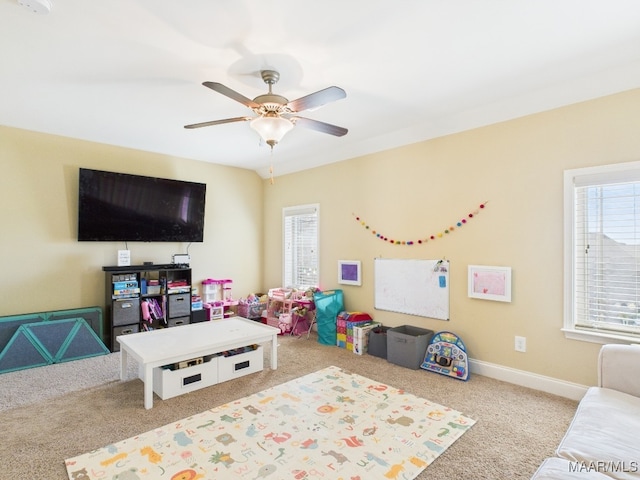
pixel 516 427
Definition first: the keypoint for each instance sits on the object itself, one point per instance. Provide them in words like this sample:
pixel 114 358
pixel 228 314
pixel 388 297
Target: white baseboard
pixel 551 385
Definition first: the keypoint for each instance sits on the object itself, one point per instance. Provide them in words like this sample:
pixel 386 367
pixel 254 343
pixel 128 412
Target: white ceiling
pixel 129 72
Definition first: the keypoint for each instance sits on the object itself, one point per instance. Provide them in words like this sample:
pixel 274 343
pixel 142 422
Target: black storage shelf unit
pixel 146 297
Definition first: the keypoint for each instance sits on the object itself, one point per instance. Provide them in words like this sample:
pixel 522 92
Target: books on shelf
pixel 178 286
pixel 152 310
pixel 124 286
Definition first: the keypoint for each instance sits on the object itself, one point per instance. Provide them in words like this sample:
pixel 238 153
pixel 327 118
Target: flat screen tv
pixel 123 207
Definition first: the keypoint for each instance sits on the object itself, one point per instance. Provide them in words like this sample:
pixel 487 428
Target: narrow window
pixel 300 246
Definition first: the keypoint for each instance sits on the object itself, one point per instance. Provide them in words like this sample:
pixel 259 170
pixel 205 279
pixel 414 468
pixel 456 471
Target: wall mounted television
pixel 123 207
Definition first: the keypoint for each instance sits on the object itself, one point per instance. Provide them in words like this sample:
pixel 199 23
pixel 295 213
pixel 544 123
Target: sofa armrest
pixel 619 368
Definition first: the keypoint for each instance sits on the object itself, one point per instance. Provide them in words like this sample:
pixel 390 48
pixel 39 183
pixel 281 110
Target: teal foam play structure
pixel 38 339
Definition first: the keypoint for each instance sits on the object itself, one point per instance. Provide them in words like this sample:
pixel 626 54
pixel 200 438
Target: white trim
pixel 569 245
pixel 604 174
pixel 301 209
pixel 551 385
pixel 598 336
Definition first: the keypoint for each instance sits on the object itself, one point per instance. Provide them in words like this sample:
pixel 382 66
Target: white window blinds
pixel 606 255
pixel 300 246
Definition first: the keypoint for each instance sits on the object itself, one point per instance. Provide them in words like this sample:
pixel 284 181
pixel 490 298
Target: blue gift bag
pixel 328 305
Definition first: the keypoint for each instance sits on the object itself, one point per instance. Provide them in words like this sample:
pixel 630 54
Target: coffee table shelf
pixel 170 346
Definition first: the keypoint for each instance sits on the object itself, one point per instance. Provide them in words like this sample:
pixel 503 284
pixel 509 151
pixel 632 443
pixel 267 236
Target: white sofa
pixel 603 440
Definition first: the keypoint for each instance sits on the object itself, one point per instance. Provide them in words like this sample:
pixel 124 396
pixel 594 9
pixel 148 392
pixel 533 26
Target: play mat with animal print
pixel 331 424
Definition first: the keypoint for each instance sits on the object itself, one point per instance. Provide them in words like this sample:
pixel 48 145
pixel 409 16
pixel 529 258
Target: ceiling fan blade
pixel 320 126
pixel 317 99
pixel 218 122
pixel 232 94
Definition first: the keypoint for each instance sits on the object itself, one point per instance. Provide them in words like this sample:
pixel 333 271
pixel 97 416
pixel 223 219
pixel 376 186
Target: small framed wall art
pixel 490 283
pixel 349 272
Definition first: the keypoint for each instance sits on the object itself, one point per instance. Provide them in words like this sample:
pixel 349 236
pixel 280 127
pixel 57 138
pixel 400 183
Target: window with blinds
pixel 300 246
pixel 604 237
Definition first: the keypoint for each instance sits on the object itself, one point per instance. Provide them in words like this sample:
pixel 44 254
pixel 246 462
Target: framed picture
pixel 490 283
pixel 349 272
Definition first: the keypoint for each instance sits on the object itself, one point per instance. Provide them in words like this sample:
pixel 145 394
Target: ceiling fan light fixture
pixel 271 127
pixel 37 6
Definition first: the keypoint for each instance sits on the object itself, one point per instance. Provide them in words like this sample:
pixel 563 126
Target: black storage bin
pixel 198 316
pixel 123 330
pixel 125 311
pixel 378 342
pixel 407 345
pixel 179 305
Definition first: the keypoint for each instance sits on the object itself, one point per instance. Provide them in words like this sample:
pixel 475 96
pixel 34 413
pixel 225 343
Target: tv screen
pixel 123 207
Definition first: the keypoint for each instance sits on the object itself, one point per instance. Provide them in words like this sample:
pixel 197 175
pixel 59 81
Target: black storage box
pixel 378 342
pixel 198 316
pixel 179 305
pixel 125 311
pixel 407 345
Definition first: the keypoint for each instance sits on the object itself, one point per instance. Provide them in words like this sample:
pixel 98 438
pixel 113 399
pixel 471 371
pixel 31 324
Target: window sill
pixel 599 337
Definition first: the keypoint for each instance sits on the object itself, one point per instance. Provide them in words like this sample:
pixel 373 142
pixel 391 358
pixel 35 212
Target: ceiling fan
pixel 276 115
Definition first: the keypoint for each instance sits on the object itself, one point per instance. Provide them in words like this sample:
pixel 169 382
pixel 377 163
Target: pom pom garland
pixel 421 241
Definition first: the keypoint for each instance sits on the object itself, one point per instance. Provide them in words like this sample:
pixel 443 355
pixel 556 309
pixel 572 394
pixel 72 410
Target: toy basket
pixel 251 310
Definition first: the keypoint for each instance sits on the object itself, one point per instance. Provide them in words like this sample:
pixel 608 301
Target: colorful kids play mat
pixel 330 424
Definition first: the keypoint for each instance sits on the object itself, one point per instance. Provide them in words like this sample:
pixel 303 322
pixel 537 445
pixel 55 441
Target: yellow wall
pixel 44 267
pixel 407 193
pixel 421 189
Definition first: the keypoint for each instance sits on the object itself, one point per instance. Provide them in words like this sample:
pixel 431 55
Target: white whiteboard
pixel 414 287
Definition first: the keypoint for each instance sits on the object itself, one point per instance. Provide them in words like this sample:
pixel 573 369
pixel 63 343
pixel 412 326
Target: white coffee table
pixel 172 345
